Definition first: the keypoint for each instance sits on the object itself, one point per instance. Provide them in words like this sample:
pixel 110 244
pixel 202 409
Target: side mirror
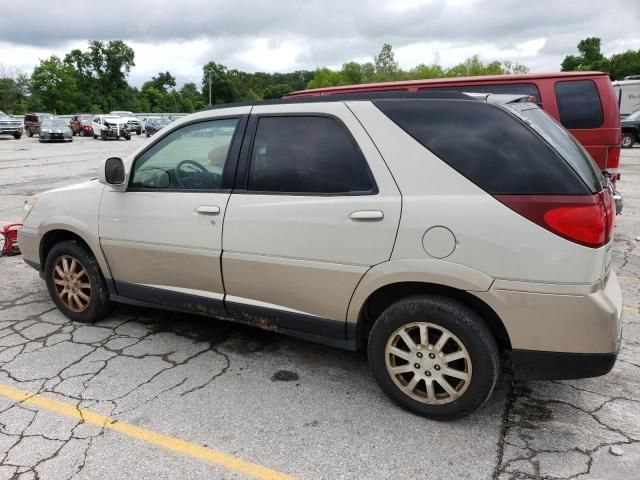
pixel 112 172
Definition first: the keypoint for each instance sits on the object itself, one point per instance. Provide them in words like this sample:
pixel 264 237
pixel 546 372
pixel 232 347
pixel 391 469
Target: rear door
pixel 315 207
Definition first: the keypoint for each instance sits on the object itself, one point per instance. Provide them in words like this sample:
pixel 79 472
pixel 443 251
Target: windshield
pixel 633 116
pixel 86 120
pixel 123 114
pixel 54 123
pixel 112 119
pixel 564 143
pixel 161 121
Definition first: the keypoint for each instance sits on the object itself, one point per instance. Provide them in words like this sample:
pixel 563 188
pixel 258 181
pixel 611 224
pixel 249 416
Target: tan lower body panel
pixel 560 318
pixel 164 266
pixel 311 288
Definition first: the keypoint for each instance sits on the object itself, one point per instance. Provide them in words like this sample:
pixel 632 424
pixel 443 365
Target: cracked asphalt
pixel 309 411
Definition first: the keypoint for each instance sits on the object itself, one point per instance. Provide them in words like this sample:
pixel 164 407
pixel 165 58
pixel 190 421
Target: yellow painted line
pixel 629 308
pixel 170 443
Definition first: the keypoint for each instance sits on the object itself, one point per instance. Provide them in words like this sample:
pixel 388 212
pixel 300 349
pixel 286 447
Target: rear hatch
pixel 587 220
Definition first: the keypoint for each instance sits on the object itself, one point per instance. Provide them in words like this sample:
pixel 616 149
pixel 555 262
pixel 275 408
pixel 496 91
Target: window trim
pixel 230 164
pixel 595 86
pixel 242 175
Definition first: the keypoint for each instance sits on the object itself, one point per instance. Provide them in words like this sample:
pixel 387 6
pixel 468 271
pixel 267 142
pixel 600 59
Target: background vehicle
pixel 32 122
pixel 55 129
pixel 631 130
pixel 80 124
pixel 628 95
pixel 358 220
pixel 110 126
pixel 583 102
pixel 132 122
pixel 155 125
pixel 10 126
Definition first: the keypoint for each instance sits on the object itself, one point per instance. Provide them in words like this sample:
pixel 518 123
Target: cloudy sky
pixel 285 35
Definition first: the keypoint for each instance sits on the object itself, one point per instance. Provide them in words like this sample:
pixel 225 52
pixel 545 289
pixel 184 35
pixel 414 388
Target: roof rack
pixel 342 97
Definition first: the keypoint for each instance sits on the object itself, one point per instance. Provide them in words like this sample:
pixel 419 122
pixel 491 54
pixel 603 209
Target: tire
pixel 103 136
pixel 470 337
pixel 139 131
pixel 17 136
pixel 95 137
pixel 81 133
pixel 628 140
pixel 98 306
pixel 29 132
pixel 147 134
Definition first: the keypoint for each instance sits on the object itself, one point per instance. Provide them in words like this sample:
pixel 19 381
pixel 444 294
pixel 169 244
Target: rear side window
pixel 506 88
pixel 307 155
pixel 487 145
pixel 579 104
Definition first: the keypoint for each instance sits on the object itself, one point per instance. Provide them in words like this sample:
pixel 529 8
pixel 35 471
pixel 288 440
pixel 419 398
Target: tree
pixel 325 77
pixel 589 57
pixel 276 91
pixel 385 63
pixel 223 90
pixel 624 64
pixel 54 87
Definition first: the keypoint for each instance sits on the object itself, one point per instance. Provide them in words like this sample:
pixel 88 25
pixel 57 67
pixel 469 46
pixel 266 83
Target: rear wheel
pixel 75 282
pixel 434 356
pixel 628 140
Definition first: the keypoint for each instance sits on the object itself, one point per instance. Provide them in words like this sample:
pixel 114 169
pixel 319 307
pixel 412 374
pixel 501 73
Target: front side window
pixel 190 158
pixel 579 104
pixel 306 155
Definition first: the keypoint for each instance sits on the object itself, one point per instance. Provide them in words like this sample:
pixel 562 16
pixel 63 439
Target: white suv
pixel 439 231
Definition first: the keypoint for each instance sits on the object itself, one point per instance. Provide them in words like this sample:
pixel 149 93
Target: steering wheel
pixel 197 178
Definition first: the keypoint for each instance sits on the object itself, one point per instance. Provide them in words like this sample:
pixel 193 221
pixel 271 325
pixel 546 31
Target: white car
pixel 360 223
pixel 110 126
pixel 133 122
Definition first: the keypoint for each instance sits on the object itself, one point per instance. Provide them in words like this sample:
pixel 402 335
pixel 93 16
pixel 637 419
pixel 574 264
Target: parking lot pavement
pixel 150 394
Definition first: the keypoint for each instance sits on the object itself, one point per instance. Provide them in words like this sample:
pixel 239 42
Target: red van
pixel 584 102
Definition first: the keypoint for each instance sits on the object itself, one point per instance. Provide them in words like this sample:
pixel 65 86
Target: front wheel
pixel 434 356
pixel 82 133
pixel 75 282
pixel 628 140
pixel 17 136
pixel 139 131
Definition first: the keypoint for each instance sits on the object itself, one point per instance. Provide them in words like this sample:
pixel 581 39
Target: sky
pixel 285 35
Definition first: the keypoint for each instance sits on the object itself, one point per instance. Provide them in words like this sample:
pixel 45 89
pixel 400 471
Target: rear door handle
pixel 367 215
pixel 207 210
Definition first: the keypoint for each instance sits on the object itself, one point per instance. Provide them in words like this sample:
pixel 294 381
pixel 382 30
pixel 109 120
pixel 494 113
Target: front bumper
pixel 29 243
pixel 10 130
pixel 559 331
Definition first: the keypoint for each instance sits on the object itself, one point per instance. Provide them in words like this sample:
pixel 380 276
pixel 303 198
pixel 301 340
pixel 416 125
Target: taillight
pixel 580 219
pixel 613 162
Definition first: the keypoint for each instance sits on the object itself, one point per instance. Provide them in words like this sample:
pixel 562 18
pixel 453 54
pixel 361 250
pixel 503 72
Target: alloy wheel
pixel 71 283
pixel 428 363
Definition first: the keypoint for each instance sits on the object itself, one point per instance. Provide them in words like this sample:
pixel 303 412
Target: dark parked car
pixel 80 124
pixel 52 129
pixel 631 130
pixel 32 122
pixel 10 126
pixel 156 124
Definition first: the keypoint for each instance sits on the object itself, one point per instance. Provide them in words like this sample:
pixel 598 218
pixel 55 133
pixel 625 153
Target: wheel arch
pixel 386 295
pixel 60 234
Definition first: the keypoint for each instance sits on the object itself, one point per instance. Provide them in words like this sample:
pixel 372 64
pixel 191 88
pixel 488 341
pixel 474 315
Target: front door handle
pixel 207 210
pixel 367 215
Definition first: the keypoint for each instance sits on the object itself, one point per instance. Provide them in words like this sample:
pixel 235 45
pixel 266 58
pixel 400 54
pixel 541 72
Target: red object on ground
pixel 9 241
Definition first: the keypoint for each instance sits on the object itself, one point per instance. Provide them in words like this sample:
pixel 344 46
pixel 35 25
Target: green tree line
pixel 95 79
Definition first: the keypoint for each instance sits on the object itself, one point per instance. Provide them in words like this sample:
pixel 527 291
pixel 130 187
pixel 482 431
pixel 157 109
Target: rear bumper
pixel 536 365
pixel 559 331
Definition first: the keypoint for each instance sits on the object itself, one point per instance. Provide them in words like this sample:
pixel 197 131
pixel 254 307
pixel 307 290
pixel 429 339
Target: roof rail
pixel 343 97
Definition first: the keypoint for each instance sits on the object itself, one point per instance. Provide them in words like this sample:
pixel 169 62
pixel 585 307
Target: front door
pixel 162 237
pixel 317 209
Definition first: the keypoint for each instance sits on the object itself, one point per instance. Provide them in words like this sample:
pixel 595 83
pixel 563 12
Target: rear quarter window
pixel 490 147
pixel 579 104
